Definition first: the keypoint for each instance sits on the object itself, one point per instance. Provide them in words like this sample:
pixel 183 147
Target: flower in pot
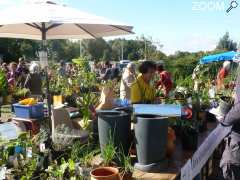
pixel 224 104
pixel 180 97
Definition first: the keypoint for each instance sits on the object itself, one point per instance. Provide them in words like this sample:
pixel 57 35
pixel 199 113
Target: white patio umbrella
pixel 48 20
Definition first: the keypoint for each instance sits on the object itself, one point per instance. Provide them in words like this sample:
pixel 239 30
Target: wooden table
pixel 175 164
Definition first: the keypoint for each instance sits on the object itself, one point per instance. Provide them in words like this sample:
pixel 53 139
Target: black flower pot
pixel 202 121
pixel 114 126
pixel 151 142
pixel 189 138
pixel 210 117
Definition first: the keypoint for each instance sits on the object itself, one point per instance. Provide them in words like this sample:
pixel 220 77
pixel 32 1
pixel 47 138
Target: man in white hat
pixel 128 78
pixel 222 74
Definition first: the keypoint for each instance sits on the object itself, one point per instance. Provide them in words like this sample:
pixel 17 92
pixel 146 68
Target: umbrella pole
pixel 44 47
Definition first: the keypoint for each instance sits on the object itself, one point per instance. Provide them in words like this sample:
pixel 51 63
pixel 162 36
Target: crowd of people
pixel 135 88
pixel 138 86
pixel 23 75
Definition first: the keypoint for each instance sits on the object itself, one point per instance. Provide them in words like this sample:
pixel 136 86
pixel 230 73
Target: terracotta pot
pixel 171 142
pixel 105 173
pixel 171 147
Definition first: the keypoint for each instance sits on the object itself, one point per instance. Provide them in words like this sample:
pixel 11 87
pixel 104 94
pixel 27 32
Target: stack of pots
pixel 151 134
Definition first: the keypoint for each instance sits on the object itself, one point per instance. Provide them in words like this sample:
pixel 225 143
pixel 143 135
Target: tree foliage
pixel 180 64
pixel 225 43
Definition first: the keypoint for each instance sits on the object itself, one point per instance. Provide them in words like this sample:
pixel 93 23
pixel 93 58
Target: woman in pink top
pixel 12 74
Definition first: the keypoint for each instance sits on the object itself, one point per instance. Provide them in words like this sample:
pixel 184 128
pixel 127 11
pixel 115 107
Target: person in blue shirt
pixel 62 69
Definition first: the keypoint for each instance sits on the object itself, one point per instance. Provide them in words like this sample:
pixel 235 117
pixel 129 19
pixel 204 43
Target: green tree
pixel 95 47
pixel 225 43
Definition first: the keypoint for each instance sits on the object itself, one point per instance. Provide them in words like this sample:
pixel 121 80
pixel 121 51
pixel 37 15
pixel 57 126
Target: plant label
pixel 3 171
pixel 42 147
pixel 29 152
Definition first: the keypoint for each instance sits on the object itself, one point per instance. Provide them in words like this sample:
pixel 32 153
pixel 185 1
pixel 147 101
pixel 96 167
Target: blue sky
pixel 187 25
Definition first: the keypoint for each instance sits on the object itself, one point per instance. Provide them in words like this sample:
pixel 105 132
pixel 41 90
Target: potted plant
pixel 83 155
pixel 126 168
pixel 189 136
pixel 225 102
pixel 3 86
pixel 20 93
pixel 107 172
pixel 62 170
pixel 85 102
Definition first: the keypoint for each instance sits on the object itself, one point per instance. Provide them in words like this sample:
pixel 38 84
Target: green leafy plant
pixel 20 93
pixel 84 153
pixel 27 170
pixel 63 137
pixel 85 102
pixel 63 170
pixel 109 153
pixel 125 163
pixel 3 84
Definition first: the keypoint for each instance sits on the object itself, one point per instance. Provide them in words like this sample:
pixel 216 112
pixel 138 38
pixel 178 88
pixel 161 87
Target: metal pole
pixel 122 49
pixel 145 49
pixel 44 46
pixel 80 48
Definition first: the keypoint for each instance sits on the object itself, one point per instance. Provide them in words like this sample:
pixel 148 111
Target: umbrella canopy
pixel 226 56
pixel 48 20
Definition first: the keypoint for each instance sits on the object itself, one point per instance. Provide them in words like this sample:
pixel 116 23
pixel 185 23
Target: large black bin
pixel 151 142
pixel 114 126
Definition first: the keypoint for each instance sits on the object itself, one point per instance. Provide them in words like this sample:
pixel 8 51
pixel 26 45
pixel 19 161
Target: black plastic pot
pixel 202 121
pixel 210 117
pixel 151 142
pixel 128 110
pixel 71 100
pixel 114 126
pixel 189 138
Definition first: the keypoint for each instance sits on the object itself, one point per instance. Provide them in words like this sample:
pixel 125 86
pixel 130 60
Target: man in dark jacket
pixel 111 73
pixel 230 162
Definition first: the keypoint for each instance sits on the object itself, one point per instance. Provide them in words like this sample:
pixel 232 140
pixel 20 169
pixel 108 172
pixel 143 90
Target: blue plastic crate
pixel 29 112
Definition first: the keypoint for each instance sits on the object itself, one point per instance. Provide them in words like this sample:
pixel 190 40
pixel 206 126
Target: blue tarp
pixel 226 56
